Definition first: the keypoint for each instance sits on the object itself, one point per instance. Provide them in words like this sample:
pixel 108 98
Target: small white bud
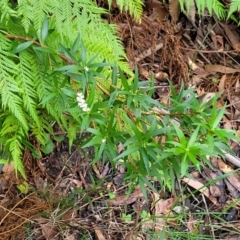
pixel 82 103
pixel 86 68
pixel 103 140
pixel 80 100
pixel 80 95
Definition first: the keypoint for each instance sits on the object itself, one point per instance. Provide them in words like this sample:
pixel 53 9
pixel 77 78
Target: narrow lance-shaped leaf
pixel 74 48
pixel 22 47
pixel 44 31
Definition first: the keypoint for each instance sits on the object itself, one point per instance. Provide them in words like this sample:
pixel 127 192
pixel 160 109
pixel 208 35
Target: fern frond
pixel 15 147
pixel 39 131
pixel 26 79
pixel 135 7
pixel 41 8
pixel 69 18
pixel 234 7
pixel 9 88
pixel 25 10
pixel 211 5
pixel 6 10
pixel 72 132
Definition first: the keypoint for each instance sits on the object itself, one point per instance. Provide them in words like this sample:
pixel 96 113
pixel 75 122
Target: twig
pixel 148 52
pixel 232 159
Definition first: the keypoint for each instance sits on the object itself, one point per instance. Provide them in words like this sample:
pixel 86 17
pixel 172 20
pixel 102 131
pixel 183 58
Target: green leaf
pixel 69 68
pixel 184 165
pixel 78 77
pixel 180 135
pixel 135 81
pixel 145 159
pixel 48 147
pixel 138 133
pixel 22 47
pixel 3 161
pixel 59 138
pixel 218 118
pixel 129 151
pixel 96 140
pixel 124 81
pixel 44 31
pixel 95 132
pixel 44 49
pixel 94 65
pixel 74 48
pixel 99 153
pixel 193 138
pixel 67 53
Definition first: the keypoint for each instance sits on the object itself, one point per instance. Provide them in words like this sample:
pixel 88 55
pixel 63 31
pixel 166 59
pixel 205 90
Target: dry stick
pixel 232 159
pixel 148 52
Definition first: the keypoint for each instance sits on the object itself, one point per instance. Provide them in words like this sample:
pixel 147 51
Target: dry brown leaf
pixel 40 182
pixel 191 12
pixel 237 47
pixel 71 237
pixel 215 191
pixel 219 68
pixel 200 187
pixel 232 190
pixel 148 225
pixel 227 123
pixel 95 169
pixel 105 171
pixel 221 85
pixel 133 236
pixel 174 9
pixel 161 76
pixel 48 229
pixel 98 233
pixel 159 10
pixel 191 224
pixel 234 179
pixel 124 200
pixel 8 168
pixel 214 39
pixel 232 36
pixel 195 68
pixel 163 206
pixel 120 148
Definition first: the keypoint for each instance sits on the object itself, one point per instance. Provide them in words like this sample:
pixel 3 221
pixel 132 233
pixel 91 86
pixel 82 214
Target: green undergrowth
pixel 216 7
pixel 52 76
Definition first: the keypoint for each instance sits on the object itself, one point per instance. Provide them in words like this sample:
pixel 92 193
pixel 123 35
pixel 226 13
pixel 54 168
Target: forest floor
pixel 67 198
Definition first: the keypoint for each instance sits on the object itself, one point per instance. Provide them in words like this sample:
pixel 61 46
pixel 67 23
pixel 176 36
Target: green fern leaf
pixel 15 147
pixel 6 10
pixel 9 88
pixel 135 7
pixel 234 7
pixel 26 78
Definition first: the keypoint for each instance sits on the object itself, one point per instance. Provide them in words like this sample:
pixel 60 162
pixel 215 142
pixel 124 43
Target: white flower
pixel 86 68
pixel 80 95
pixel 82 103
pixel 103 140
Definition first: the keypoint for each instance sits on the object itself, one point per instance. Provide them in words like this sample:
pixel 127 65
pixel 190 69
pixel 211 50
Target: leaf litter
pixel 66 200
